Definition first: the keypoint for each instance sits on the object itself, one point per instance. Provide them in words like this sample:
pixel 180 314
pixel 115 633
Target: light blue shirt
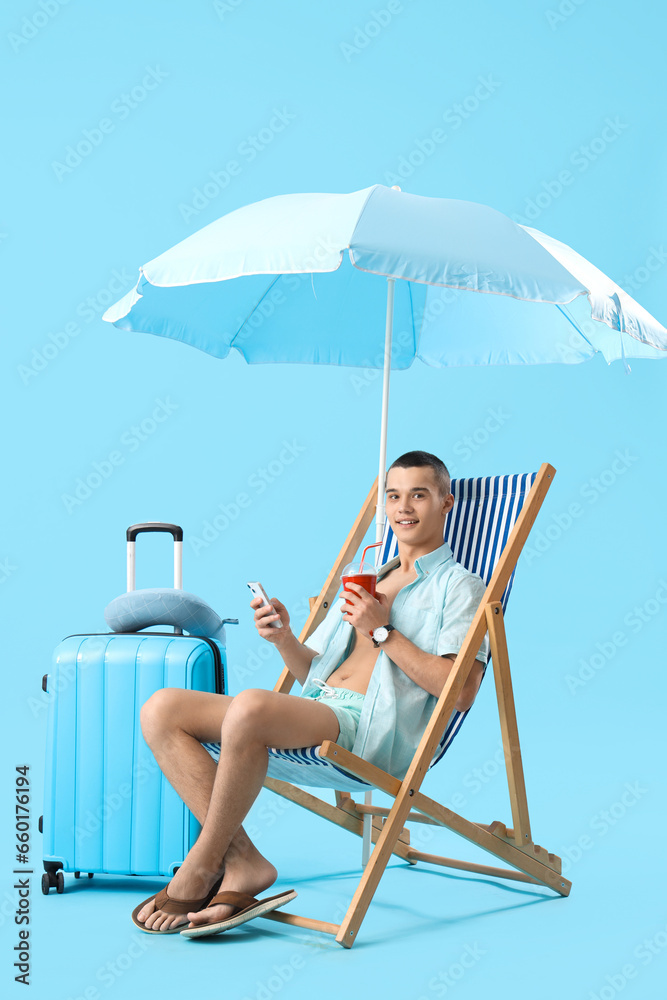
pixel 435 612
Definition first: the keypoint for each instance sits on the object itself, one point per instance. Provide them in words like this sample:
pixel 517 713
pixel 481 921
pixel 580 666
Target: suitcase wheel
pixel 90 874
pixel 77 874
pixel 50 879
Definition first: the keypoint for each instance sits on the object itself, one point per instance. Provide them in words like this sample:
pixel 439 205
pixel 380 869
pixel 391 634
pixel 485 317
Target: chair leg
pixel 367 827
pixel 374 870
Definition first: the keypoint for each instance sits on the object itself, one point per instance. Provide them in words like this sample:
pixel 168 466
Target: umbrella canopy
pixel 308 287
pixel 301 278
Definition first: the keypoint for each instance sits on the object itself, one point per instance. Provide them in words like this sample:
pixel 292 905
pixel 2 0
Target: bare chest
pixel 392 583
pixel 355 670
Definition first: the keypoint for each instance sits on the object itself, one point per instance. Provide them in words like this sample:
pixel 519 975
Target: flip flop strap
pixel 177 907
pixel 239 900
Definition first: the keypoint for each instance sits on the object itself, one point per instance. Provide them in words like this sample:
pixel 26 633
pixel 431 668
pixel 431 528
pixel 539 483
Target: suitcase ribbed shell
pixel 107 806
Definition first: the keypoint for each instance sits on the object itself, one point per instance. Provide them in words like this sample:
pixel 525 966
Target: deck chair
pixel 486 529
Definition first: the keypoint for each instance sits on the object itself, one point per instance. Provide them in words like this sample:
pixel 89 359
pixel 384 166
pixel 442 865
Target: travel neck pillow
pixel 139 609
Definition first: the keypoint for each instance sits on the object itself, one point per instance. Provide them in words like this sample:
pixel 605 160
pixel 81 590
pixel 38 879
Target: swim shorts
pixel 346 706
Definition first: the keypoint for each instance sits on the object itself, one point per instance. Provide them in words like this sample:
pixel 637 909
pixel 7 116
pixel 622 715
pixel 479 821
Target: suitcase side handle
pixel 172 529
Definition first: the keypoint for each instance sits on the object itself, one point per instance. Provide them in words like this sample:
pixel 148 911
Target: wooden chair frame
pixel 513 846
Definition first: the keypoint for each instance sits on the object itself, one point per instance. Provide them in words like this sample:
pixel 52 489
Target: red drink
pixel 365 580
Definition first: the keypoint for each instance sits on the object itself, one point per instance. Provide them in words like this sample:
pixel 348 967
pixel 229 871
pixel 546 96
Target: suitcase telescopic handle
pixel 172 529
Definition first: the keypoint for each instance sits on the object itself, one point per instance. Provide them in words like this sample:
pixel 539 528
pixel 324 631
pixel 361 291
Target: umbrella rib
pixel 569 318
pixel 417 334
pixel 254 308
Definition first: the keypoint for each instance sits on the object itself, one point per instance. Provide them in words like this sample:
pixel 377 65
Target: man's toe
pixel 199 917
pixel 146 912
pixel 211 915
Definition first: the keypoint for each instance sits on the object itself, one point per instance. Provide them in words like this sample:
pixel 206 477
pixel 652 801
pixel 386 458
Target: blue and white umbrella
pixel 304 278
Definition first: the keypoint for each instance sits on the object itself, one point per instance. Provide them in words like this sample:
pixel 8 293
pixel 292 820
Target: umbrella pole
pixel 380 510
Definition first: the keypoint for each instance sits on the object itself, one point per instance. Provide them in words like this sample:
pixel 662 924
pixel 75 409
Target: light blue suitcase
pixel 107 806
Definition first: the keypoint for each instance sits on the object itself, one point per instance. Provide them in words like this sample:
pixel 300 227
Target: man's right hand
pixel 264 615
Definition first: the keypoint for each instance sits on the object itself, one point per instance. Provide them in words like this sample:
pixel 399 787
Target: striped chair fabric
pixel 484 513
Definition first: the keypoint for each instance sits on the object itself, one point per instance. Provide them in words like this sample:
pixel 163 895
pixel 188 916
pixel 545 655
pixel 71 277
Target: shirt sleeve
pixel 320 637
pixel 463 598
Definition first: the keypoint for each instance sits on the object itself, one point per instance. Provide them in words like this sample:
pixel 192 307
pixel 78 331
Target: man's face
pixel 415 508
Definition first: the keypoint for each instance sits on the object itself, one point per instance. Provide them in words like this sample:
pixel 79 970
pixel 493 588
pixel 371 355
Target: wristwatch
pixel 379 635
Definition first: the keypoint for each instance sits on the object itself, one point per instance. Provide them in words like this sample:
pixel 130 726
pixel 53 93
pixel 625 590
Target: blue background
pixel 587 665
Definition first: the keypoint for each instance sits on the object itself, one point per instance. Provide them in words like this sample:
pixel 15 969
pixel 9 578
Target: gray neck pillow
pixel 139 609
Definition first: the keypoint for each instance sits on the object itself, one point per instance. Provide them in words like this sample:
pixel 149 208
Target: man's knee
pixel 248 711
pixel 160 710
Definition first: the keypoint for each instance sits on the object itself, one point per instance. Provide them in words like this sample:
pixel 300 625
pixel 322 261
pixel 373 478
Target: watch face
pixel 380 634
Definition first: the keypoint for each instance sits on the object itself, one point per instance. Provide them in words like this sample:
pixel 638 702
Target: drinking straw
pixel 363 554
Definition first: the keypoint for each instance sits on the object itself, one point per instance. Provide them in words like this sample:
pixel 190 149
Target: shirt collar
pixel 424 564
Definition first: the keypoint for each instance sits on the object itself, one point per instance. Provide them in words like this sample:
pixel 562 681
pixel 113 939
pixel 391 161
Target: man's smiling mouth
pixel 408 521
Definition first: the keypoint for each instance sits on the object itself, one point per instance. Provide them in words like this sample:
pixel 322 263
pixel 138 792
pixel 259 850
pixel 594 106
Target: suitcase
pixel 107 806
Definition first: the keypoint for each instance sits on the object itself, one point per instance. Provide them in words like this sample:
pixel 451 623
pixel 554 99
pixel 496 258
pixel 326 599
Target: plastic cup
pixel 365 575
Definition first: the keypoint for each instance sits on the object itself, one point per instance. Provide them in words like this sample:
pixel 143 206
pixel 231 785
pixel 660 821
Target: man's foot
pixel 182 887
pixel 249 872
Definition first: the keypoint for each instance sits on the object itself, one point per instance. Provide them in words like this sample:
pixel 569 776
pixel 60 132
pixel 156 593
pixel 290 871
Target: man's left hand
pixel 365 612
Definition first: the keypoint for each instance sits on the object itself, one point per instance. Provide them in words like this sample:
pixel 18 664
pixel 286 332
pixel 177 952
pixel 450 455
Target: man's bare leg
pixel 175 722
pixel 221 796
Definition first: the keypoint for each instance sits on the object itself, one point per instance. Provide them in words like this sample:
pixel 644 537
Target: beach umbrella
pixel 307 278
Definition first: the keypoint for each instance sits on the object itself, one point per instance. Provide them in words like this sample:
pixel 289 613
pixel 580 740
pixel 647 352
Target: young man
pixel 371 671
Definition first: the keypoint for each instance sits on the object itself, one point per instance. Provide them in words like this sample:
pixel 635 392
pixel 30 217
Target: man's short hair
pixel 411 459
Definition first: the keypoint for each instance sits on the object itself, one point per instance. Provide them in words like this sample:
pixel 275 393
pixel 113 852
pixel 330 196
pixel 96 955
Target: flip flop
pixel 247 908
pixel 164 902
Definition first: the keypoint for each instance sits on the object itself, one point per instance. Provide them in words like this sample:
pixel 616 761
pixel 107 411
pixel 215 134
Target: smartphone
pixel 257 590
